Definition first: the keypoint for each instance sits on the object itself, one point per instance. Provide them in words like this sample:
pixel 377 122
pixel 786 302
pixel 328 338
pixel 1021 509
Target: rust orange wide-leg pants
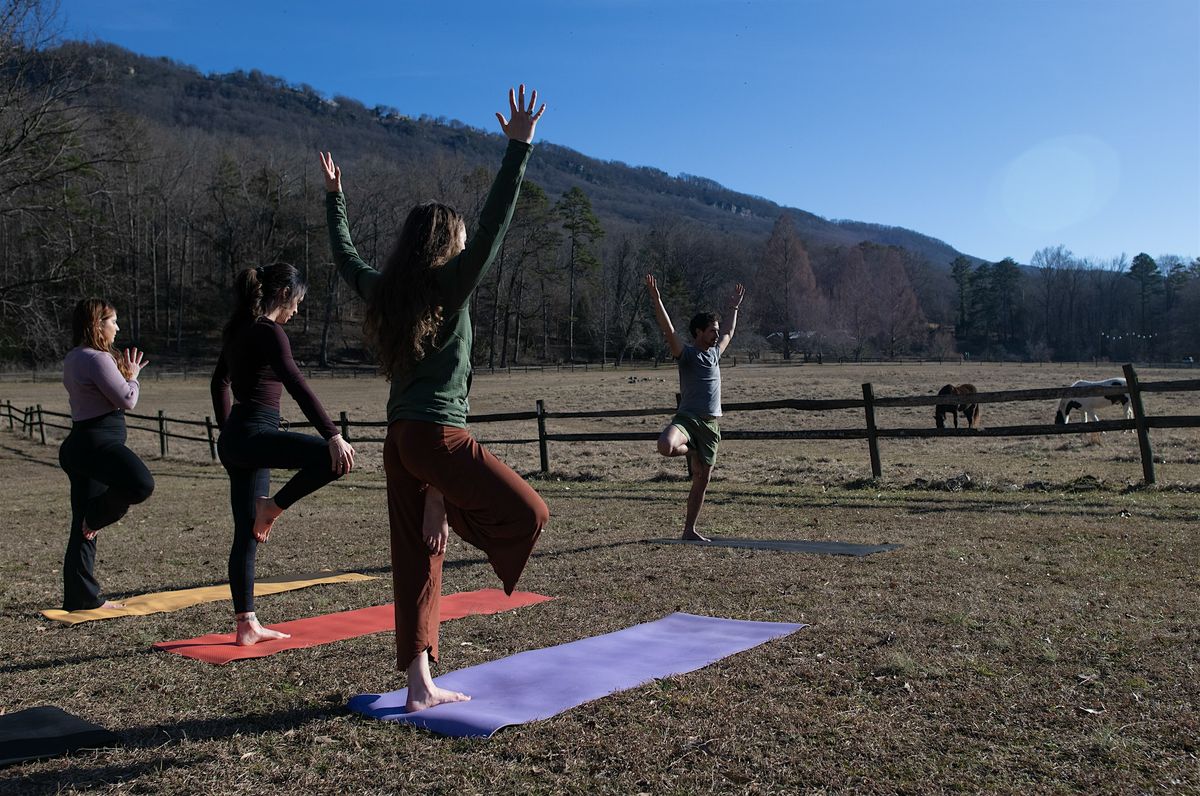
pixel 487 504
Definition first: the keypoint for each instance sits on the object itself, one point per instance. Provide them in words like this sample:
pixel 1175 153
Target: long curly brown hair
pixel 86 320
pixel 404 315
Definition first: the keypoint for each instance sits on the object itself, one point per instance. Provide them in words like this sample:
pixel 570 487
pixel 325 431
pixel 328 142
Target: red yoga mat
pixel 219 648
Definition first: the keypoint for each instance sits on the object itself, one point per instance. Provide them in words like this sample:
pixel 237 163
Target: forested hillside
pixel 146 181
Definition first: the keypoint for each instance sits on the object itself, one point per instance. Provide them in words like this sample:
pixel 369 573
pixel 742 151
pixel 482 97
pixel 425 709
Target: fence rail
pixel 204 370
pixel 158 373
pixel 32 419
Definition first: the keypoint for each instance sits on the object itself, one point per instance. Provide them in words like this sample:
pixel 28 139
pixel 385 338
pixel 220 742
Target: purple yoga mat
pixel 542 683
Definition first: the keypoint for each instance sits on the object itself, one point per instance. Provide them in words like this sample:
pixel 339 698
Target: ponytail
pixel 258 291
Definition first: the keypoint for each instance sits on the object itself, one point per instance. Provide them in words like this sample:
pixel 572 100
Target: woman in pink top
pixel 106 477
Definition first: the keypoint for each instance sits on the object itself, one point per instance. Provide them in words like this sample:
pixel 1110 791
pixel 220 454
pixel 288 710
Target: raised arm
pixel 460 277
pixel 735 301
pixel 353 268
pixel 664 320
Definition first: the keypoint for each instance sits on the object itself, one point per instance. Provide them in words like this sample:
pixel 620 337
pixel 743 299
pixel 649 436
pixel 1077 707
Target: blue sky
pixel 999 127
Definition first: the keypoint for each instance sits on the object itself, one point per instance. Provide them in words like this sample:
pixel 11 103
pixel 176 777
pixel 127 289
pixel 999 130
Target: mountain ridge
pixel 256 105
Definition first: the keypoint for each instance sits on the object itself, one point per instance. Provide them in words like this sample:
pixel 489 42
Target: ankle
pixel 247 616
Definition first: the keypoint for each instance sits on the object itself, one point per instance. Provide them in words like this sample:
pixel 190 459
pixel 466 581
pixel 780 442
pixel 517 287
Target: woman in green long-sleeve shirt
pixel 438 476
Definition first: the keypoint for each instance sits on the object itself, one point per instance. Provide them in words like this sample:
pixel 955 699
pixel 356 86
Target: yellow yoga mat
pixel 164 601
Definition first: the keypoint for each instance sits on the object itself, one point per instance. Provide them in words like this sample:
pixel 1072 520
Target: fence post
pixel 872 439
pixel 212 443
pixel 162 433
pixel 344 421
pixel 8 410
pixel 1139 419
pixel 543 452
pixel 41 423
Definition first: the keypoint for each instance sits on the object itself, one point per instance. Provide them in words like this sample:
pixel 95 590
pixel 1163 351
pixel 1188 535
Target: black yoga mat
pixel 47 731
pixel 789 545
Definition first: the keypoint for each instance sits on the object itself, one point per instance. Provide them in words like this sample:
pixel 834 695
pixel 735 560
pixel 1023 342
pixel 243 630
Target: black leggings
pixel 106 479
pixel 250 444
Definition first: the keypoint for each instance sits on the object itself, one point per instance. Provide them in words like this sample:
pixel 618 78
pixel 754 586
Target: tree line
pixel 159 212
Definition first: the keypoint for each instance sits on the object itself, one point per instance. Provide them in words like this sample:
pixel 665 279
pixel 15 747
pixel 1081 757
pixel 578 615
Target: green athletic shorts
pixel 703 436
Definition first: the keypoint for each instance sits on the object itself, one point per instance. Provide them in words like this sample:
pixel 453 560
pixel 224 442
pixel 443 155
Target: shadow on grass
pixel 158 736
pixel 537 554
pixel 970 501
pixel 30 666
pixel 377 569
pixel 153 736
pixel 76 778
pixel 24 456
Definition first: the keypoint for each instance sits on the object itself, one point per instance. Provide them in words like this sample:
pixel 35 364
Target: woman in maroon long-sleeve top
pixel 256 365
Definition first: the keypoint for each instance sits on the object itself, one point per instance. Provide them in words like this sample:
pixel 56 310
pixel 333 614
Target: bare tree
pixel 50 151
pixel 785 286
pixel 1051 265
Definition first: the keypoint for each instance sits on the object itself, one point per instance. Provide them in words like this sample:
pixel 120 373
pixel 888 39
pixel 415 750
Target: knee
pixel 142 490
pixel 539 513
pixel 664 445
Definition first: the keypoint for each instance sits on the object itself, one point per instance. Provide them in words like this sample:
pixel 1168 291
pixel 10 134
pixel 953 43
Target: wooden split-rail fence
pixel 33 420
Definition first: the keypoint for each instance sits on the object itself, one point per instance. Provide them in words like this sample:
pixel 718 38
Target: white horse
pixel 1091 403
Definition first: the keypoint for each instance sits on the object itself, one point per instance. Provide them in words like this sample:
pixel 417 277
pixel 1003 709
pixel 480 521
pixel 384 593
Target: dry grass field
pixel 1038 632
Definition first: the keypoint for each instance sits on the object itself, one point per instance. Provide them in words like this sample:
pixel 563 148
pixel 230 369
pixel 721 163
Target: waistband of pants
pixel 111 421
pixel 254 412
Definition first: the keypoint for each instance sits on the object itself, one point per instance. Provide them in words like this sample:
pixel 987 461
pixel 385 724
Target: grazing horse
pixel 1091 403
pixel 970 412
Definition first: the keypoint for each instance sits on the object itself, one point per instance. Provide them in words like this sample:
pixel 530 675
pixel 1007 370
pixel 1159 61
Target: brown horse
pixel 969 411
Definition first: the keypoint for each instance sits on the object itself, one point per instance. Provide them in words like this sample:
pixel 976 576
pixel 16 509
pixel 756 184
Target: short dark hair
pixel 701 320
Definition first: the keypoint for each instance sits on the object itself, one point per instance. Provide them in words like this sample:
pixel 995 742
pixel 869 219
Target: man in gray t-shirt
pixel 693 430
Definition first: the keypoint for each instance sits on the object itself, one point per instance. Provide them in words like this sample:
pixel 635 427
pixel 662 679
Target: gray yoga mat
pixel 542 683
pixel 47 731
pixel 790 545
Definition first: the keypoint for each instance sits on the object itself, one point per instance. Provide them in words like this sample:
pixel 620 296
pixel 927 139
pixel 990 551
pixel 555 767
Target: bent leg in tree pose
pixel 439 478
pixel 693 431
pixel 106 476
pixel 256 365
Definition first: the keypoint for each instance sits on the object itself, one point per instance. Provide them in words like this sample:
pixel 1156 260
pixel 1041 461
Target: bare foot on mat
pixel 250 632
pixel 692 535
pixel 422 693
pixel 428 699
